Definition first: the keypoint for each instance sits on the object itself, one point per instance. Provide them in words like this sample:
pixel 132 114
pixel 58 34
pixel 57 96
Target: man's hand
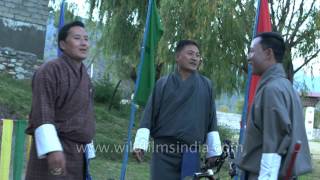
pixel 211 161
pixel 139 154
pixel 57 163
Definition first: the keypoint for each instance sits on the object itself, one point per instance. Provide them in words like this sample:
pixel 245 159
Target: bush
pixel 227 134
pixel 103 91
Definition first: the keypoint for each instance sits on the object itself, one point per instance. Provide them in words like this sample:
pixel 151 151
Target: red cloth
pixel 263 25
pixel 264 22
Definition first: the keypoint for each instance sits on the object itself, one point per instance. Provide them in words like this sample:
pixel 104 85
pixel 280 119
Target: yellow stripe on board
pixel 5 155
pixel 29 143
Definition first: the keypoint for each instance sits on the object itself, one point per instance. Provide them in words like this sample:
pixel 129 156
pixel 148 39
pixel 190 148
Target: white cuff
pixel 142 139
pixel 90 151
pixel 47 140
pixel 269 168
pixel 213 144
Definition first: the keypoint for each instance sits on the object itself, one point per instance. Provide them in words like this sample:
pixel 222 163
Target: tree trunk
pixel 114 94
pixel 288 66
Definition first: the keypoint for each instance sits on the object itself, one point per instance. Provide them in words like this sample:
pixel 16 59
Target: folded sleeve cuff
pixel 269 168
pixel 142 139
pixel 213 144
pixel 46 140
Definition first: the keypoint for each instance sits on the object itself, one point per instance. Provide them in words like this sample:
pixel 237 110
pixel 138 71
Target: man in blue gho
pixel 180 115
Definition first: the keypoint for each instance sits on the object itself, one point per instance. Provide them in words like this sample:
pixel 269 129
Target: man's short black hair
pixel 274 41
pixel 182 43
pixel 63 33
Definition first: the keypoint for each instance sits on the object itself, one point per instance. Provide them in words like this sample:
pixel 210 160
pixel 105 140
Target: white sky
pixel 80 7
pixel 312 68
pixel 315 63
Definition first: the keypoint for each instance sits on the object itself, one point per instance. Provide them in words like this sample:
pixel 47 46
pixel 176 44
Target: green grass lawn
pixel 102 169
pixel 315 154
pixel 15 97
pixel 15 102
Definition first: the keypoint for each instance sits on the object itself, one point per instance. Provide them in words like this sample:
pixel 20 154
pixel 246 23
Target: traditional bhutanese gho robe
pixel 179 112
pixel 62 97
pixel 276 124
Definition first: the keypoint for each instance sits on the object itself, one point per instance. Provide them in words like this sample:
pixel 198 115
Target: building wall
pixel 22 32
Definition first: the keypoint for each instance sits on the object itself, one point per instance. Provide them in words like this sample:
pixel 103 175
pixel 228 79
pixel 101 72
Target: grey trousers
pixel 166 166
pixel 251 176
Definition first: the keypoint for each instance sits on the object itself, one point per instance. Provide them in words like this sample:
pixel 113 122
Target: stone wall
pixel 22 35
pixel 31 12
pixel 23 25
pixel 18 64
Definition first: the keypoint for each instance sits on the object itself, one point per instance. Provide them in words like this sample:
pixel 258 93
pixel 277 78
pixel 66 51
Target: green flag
pixel 19 149
pixel 147 74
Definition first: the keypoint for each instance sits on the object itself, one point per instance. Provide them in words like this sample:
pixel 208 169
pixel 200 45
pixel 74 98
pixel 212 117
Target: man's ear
pixel 62 44
pixel 177 55
pixel 269 53
pixel 200 63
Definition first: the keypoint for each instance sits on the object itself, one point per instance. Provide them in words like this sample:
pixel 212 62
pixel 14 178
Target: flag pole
pixel 256 22
pixel 133 106
pixel 245 110
pixel 61 22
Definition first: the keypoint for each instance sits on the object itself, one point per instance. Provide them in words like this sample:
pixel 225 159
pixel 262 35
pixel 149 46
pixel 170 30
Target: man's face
pixel 76 45
pixel 188 59
pixel 257 57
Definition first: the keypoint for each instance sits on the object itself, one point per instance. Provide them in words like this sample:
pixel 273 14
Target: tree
pixel 218 29
pixel 298 21
pixel 122 32
pixel 222 28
